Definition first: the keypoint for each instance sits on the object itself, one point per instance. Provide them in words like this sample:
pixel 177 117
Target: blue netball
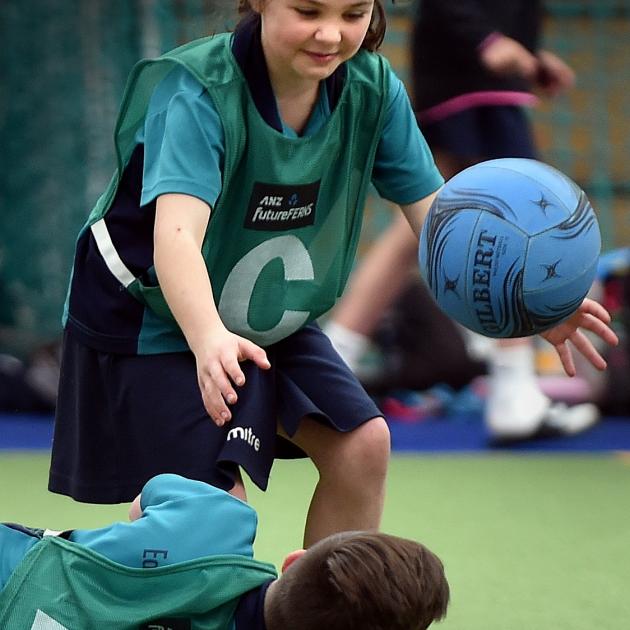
pixel 510 247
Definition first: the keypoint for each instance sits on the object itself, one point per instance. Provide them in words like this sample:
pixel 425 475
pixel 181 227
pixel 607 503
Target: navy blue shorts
pixel 483 133
pixel 121 419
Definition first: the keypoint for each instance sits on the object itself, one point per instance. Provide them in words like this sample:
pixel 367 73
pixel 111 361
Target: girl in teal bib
pixel 230 226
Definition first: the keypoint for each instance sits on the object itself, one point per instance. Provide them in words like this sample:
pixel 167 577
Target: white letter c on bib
pixel 239 288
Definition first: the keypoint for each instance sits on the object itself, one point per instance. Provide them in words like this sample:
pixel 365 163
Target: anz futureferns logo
pixel 274 207
pixel 264 215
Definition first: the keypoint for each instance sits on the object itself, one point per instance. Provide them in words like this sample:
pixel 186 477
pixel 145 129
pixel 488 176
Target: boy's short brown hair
pixel 361 581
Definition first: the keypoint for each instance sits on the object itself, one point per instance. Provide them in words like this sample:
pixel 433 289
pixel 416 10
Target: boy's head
pixel 360 581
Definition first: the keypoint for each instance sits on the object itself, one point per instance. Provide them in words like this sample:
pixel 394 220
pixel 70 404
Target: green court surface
pixel 529 542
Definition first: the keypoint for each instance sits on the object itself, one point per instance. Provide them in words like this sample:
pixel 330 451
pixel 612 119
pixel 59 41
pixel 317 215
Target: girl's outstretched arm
pixel 417 212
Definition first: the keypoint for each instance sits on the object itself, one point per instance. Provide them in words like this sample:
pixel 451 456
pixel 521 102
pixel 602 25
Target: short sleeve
pixel 184 144
pixel 404 169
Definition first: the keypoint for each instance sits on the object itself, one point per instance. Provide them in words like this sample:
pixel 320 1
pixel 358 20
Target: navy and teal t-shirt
pixel 181 149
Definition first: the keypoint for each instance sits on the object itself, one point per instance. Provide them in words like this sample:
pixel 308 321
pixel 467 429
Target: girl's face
pixel 309 39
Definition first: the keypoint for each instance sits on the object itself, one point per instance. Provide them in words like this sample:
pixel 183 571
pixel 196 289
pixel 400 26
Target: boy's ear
pixel 256 5
pixel 135 509
pixel 291 558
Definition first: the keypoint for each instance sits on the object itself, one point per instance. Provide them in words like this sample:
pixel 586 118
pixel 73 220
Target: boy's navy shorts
pixel 482 133
pixel 121 419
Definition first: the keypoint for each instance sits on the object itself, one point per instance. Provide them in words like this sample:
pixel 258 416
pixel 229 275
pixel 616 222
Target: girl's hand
pixel 591 316
pixel 218 369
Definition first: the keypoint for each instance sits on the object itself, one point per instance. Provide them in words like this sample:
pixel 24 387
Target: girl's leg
pixel 382 275
pixel 374 286
pixel 352 471
pixel 380 278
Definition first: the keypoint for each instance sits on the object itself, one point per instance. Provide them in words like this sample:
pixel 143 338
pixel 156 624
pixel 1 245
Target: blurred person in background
pixel 477 66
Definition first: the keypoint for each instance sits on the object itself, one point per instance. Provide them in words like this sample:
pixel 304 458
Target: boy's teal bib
pixel 61 585
pixel 283 235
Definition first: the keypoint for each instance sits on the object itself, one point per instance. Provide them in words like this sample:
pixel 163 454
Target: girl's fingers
pixel 214 398
pixel 600 328
pixel 596 309
pixel 249 350
pixel 566 357
pixel 222 382
pixel 585 346
pixel 216 384
pixel 233 370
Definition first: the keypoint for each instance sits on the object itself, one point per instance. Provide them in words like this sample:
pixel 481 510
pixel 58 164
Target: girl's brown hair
pixel 375 33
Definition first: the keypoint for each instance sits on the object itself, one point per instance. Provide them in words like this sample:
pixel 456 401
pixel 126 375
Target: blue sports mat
pixel 22 431
pixel 466 433
pixel 458 433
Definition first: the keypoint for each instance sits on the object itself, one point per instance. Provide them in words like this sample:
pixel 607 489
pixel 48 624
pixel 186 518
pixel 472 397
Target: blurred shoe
pixel 516 407
pixel 562 419
pixel 514 411
pixel 522 420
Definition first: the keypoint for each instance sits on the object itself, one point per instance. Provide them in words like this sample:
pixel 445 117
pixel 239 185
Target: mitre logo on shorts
pixel 246 434
pixel 280 207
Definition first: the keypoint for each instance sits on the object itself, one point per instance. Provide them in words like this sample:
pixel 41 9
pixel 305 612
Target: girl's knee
pixel 375 435
pixel 363 451
pixel 367 448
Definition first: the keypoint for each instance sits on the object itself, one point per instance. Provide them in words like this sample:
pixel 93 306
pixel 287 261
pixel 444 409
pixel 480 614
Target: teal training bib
pixel 282 238
pixel 62 586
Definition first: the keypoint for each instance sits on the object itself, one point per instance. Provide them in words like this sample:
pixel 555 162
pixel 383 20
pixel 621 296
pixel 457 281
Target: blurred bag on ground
pixel 420 347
